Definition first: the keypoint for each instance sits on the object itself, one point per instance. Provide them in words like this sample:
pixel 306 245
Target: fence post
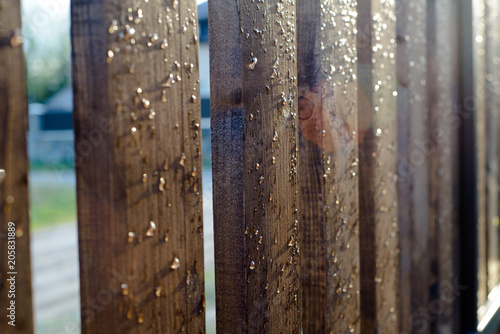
pixel 16 274
pixel 444 123
pixel 414 151
pixel 328 169
pixel 479 26
pixel 492 86
pixel 138 161
pixel 377 122
pixel 255 143
pixel 468 193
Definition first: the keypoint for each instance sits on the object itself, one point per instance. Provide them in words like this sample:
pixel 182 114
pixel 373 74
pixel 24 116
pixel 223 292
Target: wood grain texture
pixel 443 135
pixel 255 144
pixel 328 171
pixel 414 150
pixel 138 158
pixel 377 122
pixel 14 171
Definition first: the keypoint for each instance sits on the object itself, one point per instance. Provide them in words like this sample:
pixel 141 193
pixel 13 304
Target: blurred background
pixel 54 243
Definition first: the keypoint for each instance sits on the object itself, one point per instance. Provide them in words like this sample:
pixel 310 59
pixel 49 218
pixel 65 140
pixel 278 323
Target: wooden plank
pixel 480 124
pixel 492 87
pixel 137 146
pixel 414 149
pixel 255 143
pixel 378 166
pixel 328 169
pixel 13 175
pixel 443 122
pixel 468 209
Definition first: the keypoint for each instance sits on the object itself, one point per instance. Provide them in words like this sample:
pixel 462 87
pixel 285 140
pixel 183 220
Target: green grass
pixel 52 205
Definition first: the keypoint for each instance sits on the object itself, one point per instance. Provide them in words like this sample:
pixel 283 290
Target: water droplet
pixel 146 103
pixel 133 130
pixel 275 136
pixel 16 39
pixel 161 186
pixel 140 319
pixel 113 27
pixel 151 229
pixel 2 175
pixel 130 237
pixel 253 62
pixel 257 165
pixel 19 232
pixel 252 265
pixel 193 98
pixel 158 291
pixel 182 160
pixel 125 290
pixel 291 242
pixel 166 236
pixel 144 177
pixel 261 179
pixel 175 263
pixel 378 132
pixel 111 54
pixel 193 172
pixel 152 114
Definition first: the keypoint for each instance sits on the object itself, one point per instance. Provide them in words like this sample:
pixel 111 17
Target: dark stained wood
pixel 414 149
pixel 328 169
pixel 14 171
pixel 255 144
pixel 443 125
pixel 138 158
pixel 377 122
pixel 468 192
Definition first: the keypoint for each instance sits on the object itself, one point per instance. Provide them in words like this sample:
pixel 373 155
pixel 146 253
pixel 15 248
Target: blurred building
pixel 50 137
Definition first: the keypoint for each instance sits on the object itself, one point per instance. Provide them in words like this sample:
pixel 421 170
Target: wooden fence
pixel 355 151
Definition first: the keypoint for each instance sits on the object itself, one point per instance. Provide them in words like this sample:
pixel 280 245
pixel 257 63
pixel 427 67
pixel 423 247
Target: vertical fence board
pixel 378 166
pixel 13 174
pixel 442 94
pixel 138 158
pixel 255 143
pixel 414 148
pixel 328 157
pixel 492 147
pixel 467 179
pixel 481 137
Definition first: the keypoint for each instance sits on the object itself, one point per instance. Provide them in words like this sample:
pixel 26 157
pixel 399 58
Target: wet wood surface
pixel 377 126
pixel 13 175
pixel 255 142
pixel 443 135
pixel 138 162
pixel 328 169
pixel 414 150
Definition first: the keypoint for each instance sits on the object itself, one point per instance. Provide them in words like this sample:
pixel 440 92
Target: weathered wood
pixel 378 166
pixel 492 87
pixel 443 126
pixel 255 143
pixel 13 174
pixel 414 149
pixel 468 208
pixel 137 147
pixel 328 169
pixel 481 137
